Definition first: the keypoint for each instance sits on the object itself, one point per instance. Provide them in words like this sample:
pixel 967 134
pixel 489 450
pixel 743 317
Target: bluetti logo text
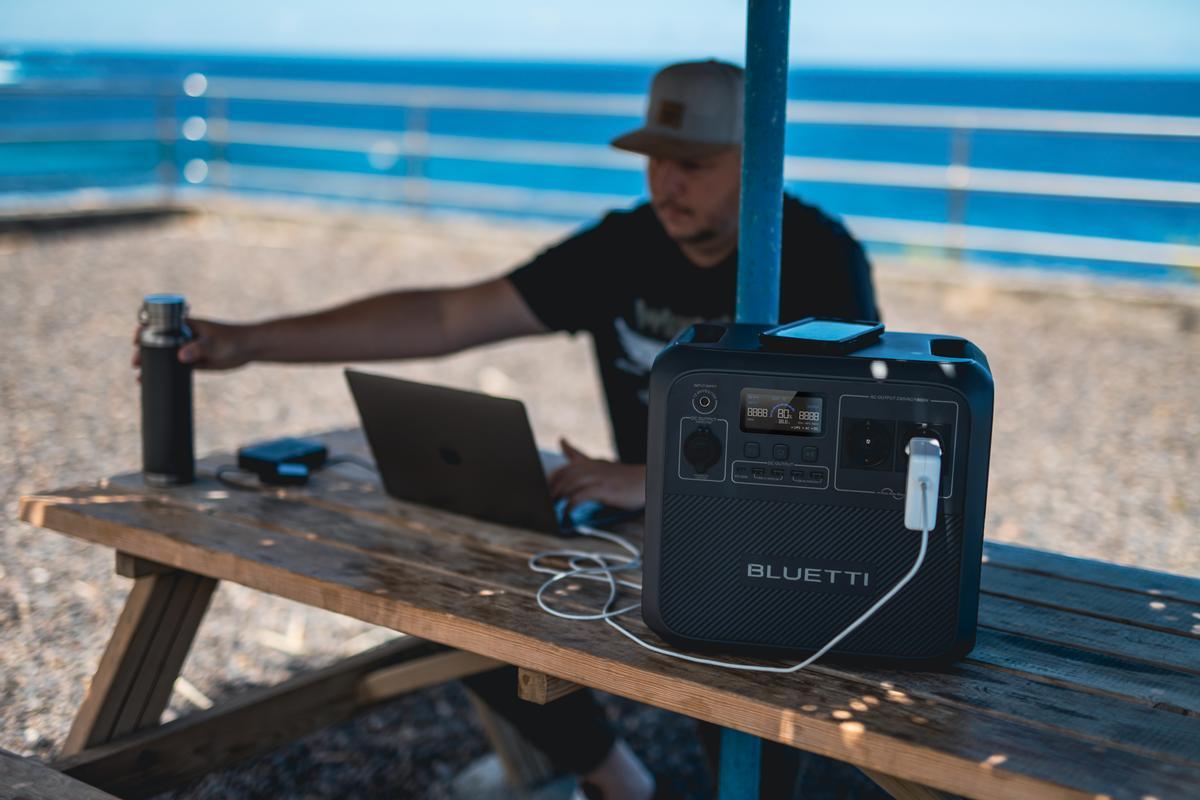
pixel 813 576
pixel 807 574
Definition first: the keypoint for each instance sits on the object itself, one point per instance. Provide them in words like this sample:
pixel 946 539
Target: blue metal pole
pixel 737 778
pixel 760 226
pixel 760 234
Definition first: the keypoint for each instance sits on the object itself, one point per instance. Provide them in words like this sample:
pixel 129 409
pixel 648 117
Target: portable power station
pixel 775 491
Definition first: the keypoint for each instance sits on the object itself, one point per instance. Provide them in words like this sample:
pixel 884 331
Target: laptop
pixel 465 452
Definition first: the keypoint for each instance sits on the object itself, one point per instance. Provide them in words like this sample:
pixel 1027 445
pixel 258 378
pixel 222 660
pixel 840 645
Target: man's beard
pixel 705 235
pixel 702 236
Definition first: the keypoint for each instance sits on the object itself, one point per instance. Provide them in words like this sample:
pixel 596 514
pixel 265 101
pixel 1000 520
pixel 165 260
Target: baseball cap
pixel 695 109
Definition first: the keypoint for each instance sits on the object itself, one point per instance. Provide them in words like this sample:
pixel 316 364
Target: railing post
pixel 167 169
pixel 760 226
pixel 218 138
pixel 416 152
pixel 958 178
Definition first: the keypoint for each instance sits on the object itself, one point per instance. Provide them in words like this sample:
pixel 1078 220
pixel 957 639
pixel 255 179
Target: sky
pixel 1050 34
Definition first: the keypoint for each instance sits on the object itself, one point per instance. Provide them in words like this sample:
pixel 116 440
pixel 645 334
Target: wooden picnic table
pixel 1084 681
pixel 25 779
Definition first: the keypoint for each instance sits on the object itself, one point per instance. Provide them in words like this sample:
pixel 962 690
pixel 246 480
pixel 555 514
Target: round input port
pixel 704 401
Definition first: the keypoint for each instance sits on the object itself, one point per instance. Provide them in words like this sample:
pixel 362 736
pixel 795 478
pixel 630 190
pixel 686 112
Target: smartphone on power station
pixel 821 335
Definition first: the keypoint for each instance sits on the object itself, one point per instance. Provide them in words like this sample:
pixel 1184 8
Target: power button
pixel 704 401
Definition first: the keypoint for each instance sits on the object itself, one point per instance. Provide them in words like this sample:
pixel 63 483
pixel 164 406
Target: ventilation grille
pixel 703 593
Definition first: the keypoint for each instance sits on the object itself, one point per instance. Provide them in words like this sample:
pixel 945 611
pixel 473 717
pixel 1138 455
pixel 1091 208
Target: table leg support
pixel 540 688
pixel 741 756
pixel 153 760
pixel 137 672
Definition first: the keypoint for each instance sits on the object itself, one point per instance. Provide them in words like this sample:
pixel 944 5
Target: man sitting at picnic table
pixel 633 281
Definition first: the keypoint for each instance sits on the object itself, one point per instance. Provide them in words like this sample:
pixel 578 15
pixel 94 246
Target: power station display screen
pixel 776 411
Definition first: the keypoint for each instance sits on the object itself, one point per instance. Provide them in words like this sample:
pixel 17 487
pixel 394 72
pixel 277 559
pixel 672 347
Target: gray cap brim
pixel 649 143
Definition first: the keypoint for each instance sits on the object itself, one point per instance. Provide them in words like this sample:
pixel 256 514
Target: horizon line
pixel 9 49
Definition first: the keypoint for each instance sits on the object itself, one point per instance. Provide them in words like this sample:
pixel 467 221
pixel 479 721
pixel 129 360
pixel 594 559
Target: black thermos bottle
pixel 168 457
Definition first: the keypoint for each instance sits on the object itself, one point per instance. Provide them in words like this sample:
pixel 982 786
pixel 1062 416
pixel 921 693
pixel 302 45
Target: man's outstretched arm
pixel 402 324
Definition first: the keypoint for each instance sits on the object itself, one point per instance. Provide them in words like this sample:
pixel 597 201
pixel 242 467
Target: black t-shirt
pixel 629 285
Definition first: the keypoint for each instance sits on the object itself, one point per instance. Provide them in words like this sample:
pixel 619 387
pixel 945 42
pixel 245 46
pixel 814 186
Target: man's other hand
pixel 606 482
pixel 215 345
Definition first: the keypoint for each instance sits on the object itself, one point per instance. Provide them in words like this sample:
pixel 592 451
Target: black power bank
pixel 283 461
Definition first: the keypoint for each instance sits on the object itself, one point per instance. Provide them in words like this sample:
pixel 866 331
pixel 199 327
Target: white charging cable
pixel 924 474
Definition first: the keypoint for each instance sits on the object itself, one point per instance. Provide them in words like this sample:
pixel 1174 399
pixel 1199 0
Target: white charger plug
pixel 921 489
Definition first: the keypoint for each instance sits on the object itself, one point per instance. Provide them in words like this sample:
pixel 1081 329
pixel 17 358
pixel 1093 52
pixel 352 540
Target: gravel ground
pixel 1094 454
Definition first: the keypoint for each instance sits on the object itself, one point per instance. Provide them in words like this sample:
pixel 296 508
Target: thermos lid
pixel 163 311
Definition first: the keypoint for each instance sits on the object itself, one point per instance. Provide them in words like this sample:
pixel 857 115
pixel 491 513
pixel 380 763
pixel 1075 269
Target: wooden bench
pixel 26 779
pixel 1084 681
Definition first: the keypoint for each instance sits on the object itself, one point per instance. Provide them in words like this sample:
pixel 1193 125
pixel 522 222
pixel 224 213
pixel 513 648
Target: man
pixel 632 281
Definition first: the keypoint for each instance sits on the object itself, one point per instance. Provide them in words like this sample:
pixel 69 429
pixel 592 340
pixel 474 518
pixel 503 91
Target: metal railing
pixel 416 145
pixel 160 128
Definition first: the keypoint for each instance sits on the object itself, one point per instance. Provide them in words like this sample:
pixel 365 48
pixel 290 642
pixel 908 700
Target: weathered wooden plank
pixel 1086 570
pixel 128 641
pixel 538 687
pixel 860 709
pixel 353 492
pixel 1131 608
pixel 132 683
pixel 26 779
pixel 153 760
pixel 1127 642
pixel 165 657
pixel 926 741
pixel 459 550
pixel 1106 720
pixel 1083 670
pixel 430 671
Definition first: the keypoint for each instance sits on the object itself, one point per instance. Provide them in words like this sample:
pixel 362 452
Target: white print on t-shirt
pixel 662 323
pixel 639 350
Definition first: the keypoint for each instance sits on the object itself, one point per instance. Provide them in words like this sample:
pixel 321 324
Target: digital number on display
pixel 777 411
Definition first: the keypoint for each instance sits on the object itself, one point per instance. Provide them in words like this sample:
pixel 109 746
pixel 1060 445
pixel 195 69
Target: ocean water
pixel 45 166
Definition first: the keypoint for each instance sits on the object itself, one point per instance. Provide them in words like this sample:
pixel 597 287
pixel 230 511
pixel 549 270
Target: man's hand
pixel 215 345
pixel 583 478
